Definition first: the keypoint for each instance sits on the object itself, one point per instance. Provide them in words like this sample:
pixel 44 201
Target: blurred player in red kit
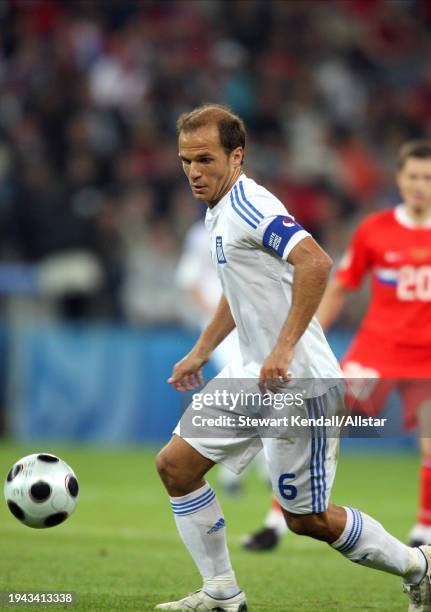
pixel 393 344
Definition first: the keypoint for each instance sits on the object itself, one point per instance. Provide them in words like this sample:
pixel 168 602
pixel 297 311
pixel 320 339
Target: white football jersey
pixel 252 235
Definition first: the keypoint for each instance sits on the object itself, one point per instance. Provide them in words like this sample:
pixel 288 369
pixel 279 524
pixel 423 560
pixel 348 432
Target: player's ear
pixel 238 156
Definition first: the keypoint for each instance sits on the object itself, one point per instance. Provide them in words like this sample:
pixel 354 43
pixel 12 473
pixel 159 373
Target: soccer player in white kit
pixel 273 275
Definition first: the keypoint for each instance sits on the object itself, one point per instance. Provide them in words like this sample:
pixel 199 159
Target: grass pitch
pixel 120 550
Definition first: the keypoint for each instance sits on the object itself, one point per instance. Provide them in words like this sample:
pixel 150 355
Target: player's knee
pixel 165 466
pixel 176 477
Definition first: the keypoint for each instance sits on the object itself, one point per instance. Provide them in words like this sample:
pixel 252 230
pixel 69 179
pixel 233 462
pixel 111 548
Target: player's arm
pixel 187 373
pixel 311 270
pixel 332 302
pixel 216 331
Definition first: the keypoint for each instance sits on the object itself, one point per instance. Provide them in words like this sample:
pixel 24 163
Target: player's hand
pixel 274 373
pixel 187 373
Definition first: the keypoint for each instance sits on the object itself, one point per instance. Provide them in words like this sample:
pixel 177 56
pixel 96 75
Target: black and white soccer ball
pixel 41 490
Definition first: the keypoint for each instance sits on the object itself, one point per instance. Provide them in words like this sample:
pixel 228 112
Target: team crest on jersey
pixel 219 250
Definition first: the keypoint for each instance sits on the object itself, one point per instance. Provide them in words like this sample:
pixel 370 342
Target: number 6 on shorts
pixel 288 491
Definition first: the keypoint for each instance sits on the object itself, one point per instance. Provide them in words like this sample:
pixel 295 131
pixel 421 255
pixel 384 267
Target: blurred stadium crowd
pixel 91 190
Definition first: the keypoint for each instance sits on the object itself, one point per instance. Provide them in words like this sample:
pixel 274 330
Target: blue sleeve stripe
pixel 258 213
pixel 242 206
pixel 238 212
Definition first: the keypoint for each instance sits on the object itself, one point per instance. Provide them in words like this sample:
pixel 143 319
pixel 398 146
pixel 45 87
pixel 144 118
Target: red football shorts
pixel 372 375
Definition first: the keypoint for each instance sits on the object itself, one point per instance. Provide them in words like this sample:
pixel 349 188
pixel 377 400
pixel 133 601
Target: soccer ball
pixel 41 490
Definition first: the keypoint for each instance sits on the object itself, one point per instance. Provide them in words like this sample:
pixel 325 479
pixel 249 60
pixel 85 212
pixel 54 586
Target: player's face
pixel 211 171
pixel 414 183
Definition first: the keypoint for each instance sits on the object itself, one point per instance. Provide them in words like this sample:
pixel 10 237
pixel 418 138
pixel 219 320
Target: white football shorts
pixel 301 462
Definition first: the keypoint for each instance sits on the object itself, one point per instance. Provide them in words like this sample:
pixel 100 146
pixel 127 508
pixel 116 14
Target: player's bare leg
pixel 363 540
pixel 201 525
pixel 181 468
pixel 421 532
pixel 326 526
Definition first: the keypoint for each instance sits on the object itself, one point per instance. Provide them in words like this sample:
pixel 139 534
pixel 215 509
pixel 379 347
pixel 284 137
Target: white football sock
pixel 365 541
pixel 201 525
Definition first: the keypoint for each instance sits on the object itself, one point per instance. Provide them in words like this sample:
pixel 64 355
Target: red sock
pixel 425 492
pixel 276 506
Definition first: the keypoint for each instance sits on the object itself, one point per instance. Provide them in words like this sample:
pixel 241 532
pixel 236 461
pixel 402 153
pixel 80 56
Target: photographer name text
pixel 288 421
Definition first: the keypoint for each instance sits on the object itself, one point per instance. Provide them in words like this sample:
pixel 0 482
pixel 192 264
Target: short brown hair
pixel 231 127
pixel 420 149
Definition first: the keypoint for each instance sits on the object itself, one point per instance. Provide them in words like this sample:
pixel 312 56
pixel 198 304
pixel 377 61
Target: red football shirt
pixel 395 335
